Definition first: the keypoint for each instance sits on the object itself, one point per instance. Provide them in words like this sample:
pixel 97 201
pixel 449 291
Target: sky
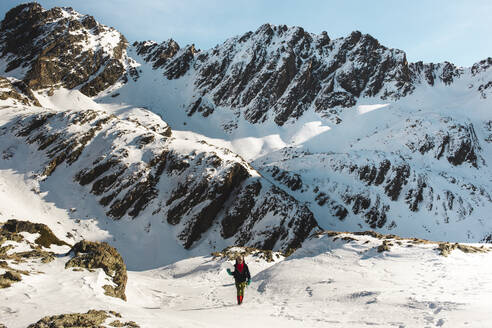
pixel 458 31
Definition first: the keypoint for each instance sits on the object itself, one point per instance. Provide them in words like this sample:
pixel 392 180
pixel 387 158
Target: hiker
pixel 241 276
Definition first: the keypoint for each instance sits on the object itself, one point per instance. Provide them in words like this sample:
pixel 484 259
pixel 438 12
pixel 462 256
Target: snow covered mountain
pixel 280 72
pixel 135 169
pixel 346 129
pixel 169 153
pixel 60 47
pixel 348 126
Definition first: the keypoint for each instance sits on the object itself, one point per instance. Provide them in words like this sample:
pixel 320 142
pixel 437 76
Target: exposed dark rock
pixel 383 169
pixel 385 246
pixel 158 54
pixel 484 89
pixel 291 180
pixel 415 196
pixel 457 142
pixel 397 180
pixel 336 209
pixel 241 210
pixel 92 319
pixel 360 202
pixel 292 216
pixel 367 174
pixel 376 216
pixel 8 278
pixel 487 239
pixel 17 91
pixel 44 41
pixel 46 238
pixel 10 231
pixel 288 79
pixel 465 147
pixel 87 176
pixel 217 196
pixel 92 255
pixel 181 64
pixel 334 99
pixel 110 75
pixel 67 149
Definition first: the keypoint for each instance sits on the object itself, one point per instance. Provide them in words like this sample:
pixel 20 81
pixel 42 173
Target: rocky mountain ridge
pixel 275 72
pixel 281 72
pixel 136 170
pixel 393 140
pixel 60 47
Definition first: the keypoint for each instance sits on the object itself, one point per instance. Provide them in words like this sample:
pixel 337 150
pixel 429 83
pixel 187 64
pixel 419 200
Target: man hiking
pixel 241 276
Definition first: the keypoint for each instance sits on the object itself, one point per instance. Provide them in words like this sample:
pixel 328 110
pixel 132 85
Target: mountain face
pixel 282 72
pixel 406 146
pixel 136 169
pixel 338 133
pixel 60 47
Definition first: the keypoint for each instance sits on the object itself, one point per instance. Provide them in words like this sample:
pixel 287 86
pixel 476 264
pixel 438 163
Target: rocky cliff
pixel 60 47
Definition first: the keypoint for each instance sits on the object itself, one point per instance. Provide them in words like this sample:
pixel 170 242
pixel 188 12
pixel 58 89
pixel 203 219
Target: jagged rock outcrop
pixel 291 180
pixel 156 53
pixel 285 70
pixel 253 204
pixel 274 73
pixel 10 232
pixel 46 236
pixel 92 255
pixel 92 318
pixel 425 159
pixel 454 140
pixel 60 47
pixel 17 92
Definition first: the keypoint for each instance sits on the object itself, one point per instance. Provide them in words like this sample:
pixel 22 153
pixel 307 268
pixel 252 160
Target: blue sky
pixel 459 31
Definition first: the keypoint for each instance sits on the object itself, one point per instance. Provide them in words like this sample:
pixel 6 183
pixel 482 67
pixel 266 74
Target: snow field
pixel 328 282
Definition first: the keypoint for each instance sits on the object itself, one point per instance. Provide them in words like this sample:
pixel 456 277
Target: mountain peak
pixel 60 47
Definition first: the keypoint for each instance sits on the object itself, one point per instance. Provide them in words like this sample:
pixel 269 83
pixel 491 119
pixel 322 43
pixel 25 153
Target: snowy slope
pixel 146 189
pixel 336 280
pixel 417 173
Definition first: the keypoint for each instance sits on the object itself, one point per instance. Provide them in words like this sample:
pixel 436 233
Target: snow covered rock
pixel 278 73
pixel 24 242
pixel 92 318
pixel 16 92
pixel 92 255
pixel 46 236
pixel 310 104
pixel 60 47
pixel 232 252
pixel 398 192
